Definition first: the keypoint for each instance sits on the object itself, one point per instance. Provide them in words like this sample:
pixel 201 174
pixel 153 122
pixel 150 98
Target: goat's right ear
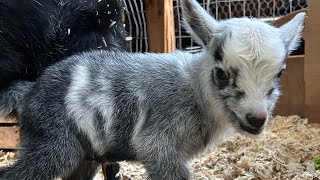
pixel 291 31
pixel 198 22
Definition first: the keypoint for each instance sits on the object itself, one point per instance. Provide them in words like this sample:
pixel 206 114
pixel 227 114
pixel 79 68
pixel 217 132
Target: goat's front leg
pixel 168 168
pixel 161 158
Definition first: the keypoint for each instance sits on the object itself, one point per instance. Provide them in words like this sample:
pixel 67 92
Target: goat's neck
pixel 201 80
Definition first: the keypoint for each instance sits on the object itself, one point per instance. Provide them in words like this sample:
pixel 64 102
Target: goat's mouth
pixel 242 127
pixel 249 129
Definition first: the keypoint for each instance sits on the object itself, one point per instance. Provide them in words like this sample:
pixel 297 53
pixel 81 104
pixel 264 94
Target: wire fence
pixel 136 25
pixel 266 10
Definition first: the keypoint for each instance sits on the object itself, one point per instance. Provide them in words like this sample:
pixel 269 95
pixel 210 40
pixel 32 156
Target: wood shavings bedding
pixel 286 150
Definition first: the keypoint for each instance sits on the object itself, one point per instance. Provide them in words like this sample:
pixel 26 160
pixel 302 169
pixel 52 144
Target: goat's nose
pixel 257 120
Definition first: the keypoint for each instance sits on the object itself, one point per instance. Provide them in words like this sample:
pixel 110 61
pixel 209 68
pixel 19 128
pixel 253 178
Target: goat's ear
pixel 197 21
pixel 291 31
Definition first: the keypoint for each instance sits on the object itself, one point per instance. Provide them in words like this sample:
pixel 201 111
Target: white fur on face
pixel 256 50
pixel 253 40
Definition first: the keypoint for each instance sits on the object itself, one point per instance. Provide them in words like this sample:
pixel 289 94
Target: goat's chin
pixel 249 134
pixel 246 131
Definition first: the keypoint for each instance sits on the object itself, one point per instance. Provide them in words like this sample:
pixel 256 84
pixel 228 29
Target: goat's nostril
pixel 257 120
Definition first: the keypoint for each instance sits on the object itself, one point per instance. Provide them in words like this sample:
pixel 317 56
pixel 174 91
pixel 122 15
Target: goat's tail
pixel 11 97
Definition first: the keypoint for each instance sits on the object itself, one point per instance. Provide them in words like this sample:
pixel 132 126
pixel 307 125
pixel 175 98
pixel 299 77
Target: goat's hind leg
pixel 85 171
pixel 88 169
pixel 41 159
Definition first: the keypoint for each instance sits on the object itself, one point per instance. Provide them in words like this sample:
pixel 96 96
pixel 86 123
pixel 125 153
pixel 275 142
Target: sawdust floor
pixel 286 150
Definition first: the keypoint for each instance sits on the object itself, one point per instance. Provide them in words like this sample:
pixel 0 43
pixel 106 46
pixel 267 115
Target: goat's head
pixel 245 59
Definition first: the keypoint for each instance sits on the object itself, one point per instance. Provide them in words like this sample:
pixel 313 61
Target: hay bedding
pixel 286 150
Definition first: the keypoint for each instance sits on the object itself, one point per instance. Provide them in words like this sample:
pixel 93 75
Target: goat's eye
pixel 239 95
pixel 222 78
pixel 279 74
pixel 270 92
pixel 221 75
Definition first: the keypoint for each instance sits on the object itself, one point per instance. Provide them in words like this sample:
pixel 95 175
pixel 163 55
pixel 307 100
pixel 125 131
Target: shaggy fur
pixel 159 109
pixel 35 34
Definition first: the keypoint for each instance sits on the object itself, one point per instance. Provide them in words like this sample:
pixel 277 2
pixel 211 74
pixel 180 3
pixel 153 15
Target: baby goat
pixel 158 109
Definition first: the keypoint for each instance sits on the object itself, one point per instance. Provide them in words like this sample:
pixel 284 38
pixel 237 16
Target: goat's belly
pixel 117 155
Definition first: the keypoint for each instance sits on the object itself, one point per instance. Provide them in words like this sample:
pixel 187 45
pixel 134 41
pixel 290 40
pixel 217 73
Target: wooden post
pixel 160 25
pixel 312 62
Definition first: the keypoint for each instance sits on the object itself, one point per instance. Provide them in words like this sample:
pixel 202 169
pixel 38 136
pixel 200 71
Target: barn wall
pixel 312 63
pixel 292 85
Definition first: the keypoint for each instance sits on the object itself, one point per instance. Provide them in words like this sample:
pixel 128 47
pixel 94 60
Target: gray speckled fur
pixel 154 110
pixel 159 109
pixel 12 96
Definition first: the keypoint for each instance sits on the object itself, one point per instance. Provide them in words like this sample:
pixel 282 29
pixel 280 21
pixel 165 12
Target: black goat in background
pixel 36 33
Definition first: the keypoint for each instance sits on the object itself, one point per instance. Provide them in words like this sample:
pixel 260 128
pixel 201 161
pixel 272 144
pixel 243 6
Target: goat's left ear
pixel 291 31
pixel 198 22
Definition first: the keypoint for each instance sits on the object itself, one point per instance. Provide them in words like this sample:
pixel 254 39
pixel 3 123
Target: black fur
pixel 112 170
pixel 35 34
pixel 235 74
pixel 239 95
pixel 270 92
pixel 218 54
pixel 221 78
